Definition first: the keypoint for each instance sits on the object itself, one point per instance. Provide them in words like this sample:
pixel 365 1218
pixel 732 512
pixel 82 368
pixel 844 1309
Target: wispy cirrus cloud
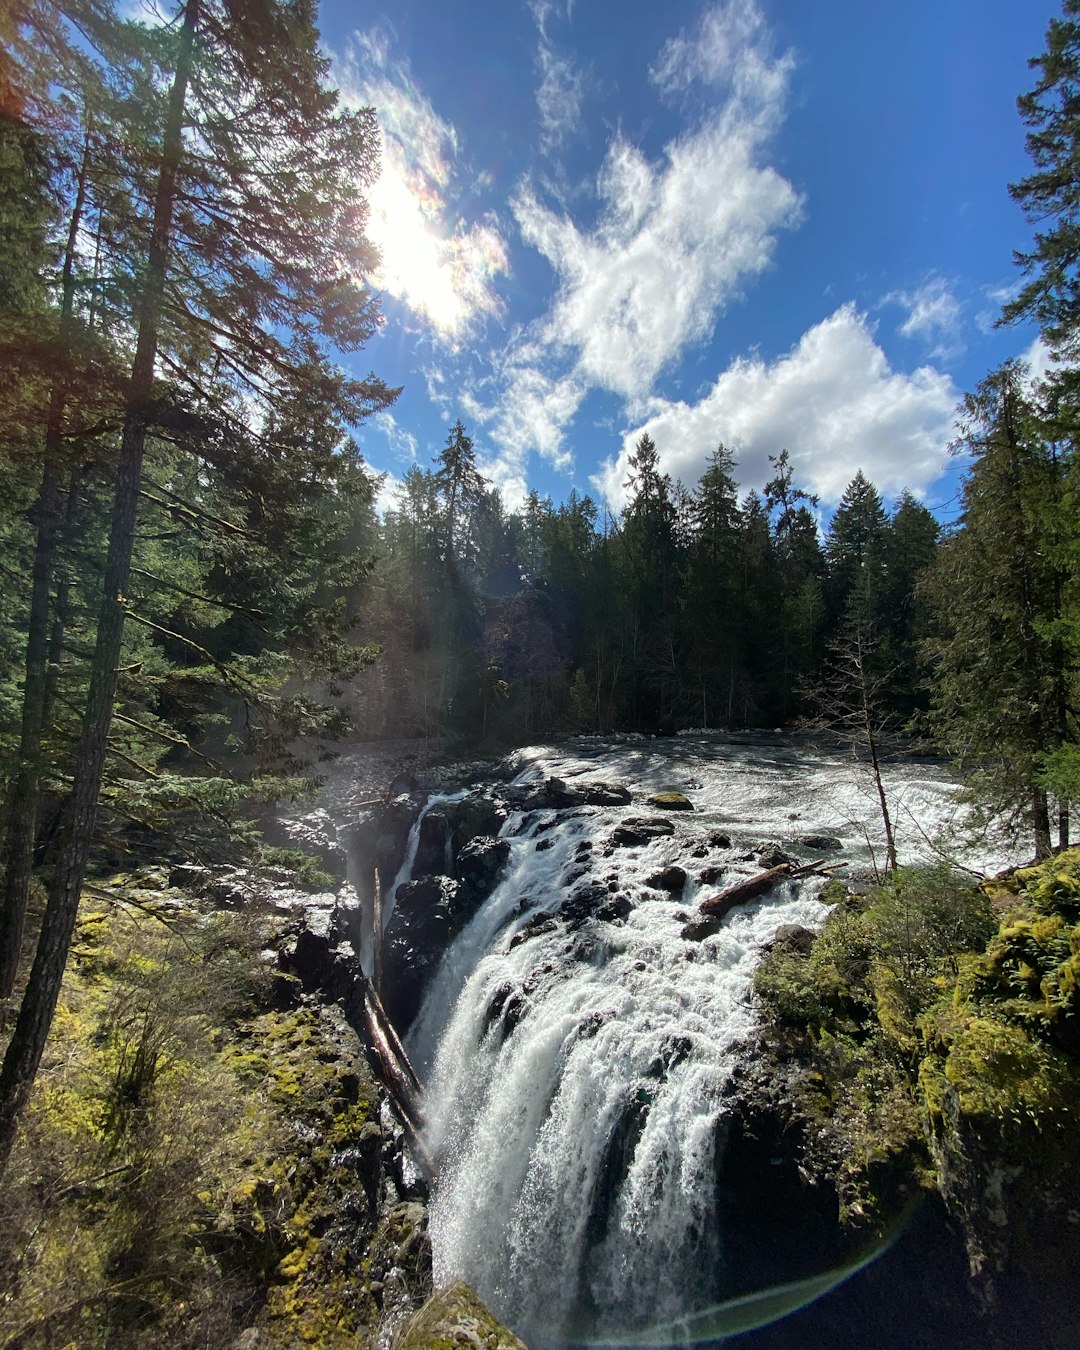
pixel 442 268
pixel 561 90
pixel 933 315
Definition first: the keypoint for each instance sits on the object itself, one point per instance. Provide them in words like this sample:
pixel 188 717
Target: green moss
pixel 921 1023
pixel 167 1149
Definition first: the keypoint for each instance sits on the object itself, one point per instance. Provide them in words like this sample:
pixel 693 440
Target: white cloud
pixel 833 402
pixel 933 315
pixel 442 269
pixel 386 498
pixel 558 96
pixel 400 440
pixel 729 48
pixel 1039 361
pixel 674 244
pixel 675 241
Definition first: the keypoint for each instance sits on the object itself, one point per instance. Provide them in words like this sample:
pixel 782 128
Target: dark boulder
pixel 593 900
pixel 479 866
pixel 770 854
pixel 595 793
pixel 820 843
pixel 637 830
pixel 709 876
pixel 794 939
pixel 671 879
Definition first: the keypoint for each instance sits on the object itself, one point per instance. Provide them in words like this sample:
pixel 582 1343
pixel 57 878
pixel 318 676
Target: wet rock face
pixel 428 914
pixel 583 793
pixel 671 879
pixel 671 801
pixel 473 817
pixel 423 924
pixel 479 865
pixel 394 823
pixel 557 795
pixel 638 830
pixel 433 853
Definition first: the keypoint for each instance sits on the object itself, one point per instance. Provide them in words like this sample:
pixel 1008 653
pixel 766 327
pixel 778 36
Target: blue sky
pixel 772 223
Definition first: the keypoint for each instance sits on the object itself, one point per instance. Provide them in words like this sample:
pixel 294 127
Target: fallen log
pixel 713 910
pixel 398 1077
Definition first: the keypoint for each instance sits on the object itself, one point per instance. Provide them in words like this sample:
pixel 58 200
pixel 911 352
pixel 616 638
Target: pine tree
pixel 240 268
pixel 855 550
pixel 1002 687
pixel 1050 196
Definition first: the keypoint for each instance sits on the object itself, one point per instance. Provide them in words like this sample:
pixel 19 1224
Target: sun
pixel 443 276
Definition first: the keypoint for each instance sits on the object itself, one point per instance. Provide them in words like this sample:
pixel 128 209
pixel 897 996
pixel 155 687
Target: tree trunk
pixel 22 807
pixel 1040 823
pixel 43 988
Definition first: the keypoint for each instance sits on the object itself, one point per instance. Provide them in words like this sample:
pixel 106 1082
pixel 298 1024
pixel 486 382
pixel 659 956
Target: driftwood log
pixel 715 908
pixel 398 1077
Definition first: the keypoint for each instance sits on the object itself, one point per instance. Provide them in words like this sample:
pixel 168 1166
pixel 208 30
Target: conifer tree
pixel 1002 688
pixel 241 266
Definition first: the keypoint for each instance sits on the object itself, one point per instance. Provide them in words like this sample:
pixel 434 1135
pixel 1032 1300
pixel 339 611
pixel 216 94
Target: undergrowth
pixel 935 1024
pixel 187 1151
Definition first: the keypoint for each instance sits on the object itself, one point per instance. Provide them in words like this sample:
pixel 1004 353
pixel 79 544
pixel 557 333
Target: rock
pixel 433 853
pixel 403 784
pixel 793 938
pixel 637 830
pixel 709 876
pixel 539 923
pixel 395 821
pixel 616 909
pixel 453 1317
pixel 347 917
pixel 820 843
pixel 479 866
pixel 472 817
pixel 772 855
pixel 671 879
pixel 718 839
pixel 424 922
pixel 671 801
pixel 592 900
pixel 703 926
pixel 596 793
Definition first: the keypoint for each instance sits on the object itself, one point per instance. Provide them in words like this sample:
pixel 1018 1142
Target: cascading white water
pixel 412 845
pixel 576 1075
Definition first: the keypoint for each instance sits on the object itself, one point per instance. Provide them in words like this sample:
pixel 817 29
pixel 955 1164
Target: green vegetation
pixel 191 1163
pixel 934 1029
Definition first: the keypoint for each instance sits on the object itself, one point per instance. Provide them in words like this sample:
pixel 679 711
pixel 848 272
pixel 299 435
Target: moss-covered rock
pixel 455 1317
pixel 929 1040
pixel 671 801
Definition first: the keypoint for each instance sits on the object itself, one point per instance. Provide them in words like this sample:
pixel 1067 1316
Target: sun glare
pixel 444 279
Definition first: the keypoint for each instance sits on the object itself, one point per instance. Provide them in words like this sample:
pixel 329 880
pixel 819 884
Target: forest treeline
pixel 688 608
pixel 195 577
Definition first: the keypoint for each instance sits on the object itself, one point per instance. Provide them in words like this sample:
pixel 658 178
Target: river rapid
pixel 576 1055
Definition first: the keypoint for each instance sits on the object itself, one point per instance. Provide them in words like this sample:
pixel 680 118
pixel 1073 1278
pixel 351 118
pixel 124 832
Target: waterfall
pixel 577 1047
